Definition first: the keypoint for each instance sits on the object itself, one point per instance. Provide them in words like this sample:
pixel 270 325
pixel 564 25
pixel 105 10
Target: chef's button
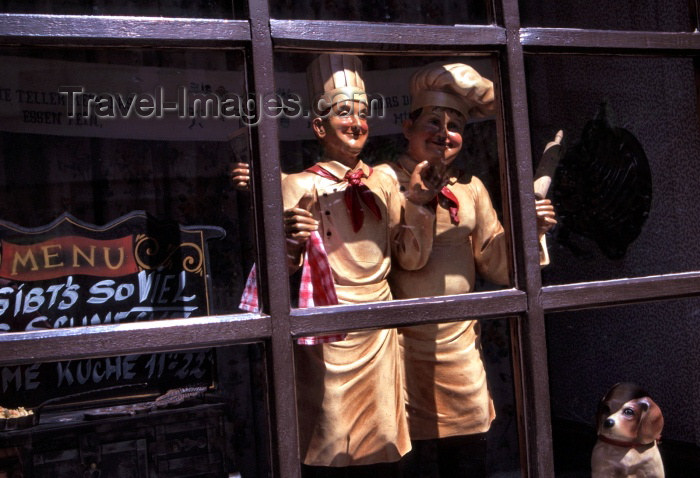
pixel 328 213
pixel 328 233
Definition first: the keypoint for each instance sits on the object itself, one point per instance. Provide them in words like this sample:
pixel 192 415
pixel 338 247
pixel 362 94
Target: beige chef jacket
pixel 445 382
pixel 349 393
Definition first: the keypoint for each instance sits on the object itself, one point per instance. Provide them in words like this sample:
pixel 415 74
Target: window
pixel 552 70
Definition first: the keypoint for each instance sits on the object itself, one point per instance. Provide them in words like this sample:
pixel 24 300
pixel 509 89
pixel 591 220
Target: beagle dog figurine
pixel 629 424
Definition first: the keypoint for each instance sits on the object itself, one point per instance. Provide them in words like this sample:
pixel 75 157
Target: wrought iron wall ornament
pixel 149 247
pixel 602 187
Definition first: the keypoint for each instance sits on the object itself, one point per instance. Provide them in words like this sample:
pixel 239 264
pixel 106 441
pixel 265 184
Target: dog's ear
pixel 614 398
pixel 651 422
pixel 602 413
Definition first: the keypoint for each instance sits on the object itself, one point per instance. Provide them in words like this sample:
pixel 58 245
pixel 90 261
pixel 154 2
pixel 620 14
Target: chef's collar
pixel 339 170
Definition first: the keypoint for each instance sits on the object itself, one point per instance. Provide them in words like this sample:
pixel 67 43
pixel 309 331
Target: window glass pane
pixel 646 15
pixel 470 249
pixel 425 11
pixel 196 413
pixel 118 204
pixel 168 8
pixel 625 189
pixel 651 345
pixel 317 151
pixel 458 396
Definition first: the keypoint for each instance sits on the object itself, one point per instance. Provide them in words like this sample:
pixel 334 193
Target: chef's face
pixel 343 131
pixel 435 136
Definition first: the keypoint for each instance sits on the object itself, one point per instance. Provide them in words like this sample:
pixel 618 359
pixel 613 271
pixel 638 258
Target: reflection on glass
pixel 652 345
pixel 455 387
pixel 625 187
pixel 423 11
pixel 178 413
pixel 117 203
pixel 168 8
pixel 469 225
pixel 647 15
pixel 459 399
pixel 364 223
pixel 344 225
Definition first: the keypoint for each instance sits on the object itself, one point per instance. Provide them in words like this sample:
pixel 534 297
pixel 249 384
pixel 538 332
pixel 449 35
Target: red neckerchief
pixel 355 192
pixel 448 197
pixel 624 444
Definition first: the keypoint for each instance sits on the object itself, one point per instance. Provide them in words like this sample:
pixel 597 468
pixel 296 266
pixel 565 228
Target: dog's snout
pixel 609 423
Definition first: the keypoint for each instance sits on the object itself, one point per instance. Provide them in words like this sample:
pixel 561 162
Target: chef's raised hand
pixel 426 182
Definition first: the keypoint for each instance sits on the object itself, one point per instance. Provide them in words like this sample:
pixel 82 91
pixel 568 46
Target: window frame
pixel 261 36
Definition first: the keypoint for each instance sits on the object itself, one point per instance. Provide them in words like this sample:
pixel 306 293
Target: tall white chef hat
pixel 453 85
pixel 333 78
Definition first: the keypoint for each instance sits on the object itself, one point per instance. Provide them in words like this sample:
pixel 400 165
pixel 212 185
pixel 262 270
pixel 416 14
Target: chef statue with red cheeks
pixel 350 392
pixel 447 399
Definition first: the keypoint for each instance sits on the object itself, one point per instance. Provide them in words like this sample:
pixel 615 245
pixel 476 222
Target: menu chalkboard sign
pixel 70 274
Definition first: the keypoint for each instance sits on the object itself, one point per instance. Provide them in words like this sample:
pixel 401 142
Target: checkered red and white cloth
pixel 316 289
pixel 249 299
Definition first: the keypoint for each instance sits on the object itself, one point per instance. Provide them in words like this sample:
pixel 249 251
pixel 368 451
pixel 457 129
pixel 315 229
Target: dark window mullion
pixel 620 291
pixel 573 39
pixel 125 339
pixel 272 253
pixel 105 30
pixel 408 312
pixel 326 34
pixel 530 340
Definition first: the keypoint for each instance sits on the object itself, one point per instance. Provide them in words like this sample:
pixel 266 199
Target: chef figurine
pixel 447 397
pixel 350 392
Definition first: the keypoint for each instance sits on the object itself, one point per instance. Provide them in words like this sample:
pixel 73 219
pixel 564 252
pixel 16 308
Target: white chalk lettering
pixel 5 302
pixel 156 288
pixel 102 287
pixel 42 319
pixel 15 377
pixel 64 373
pixel 30 374
pixel 34 300
pixel 53 290
pixel 128 367
pixel 123 292
pixel 96 375
pixel 95 370
pixel 181 288
pixel 164 289
pixel 70 295
pixel 16 300
pixel 145 285
pixel 83 371
pixel 10 376
pixel 104 290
